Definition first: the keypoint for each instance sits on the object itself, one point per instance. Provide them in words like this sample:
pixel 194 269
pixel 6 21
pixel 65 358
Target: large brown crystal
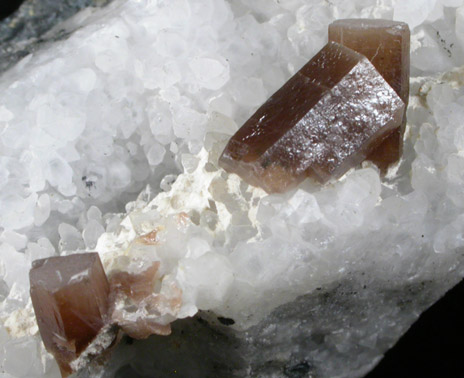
pixel 70 299
pixel 322 122
pixel 386 44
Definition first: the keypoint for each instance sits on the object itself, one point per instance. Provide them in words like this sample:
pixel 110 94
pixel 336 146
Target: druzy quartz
pixel 386 44
pixel 326 119
pixel 70 299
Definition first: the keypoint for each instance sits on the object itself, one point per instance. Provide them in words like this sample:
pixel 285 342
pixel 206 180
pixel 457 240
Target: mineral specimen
pixel 70 299
pixel 322 122
pixel 85 122
pixel 386 44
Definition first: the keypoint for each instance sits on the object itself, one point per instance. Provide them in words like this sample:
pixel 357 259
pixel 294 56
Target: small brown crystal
pixel 70 299
pixel 151 238
pixel 322 122
pixel 135 286
pixel 386 44
pixel 136 306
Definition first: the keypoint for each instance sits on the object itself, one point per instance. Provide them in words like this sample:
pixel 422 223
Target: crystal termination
pixel 70 299
pixel 386 44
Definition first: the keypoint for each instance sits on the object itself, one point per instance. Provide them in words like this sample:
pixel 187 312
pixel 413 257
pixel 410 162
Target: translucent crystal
pixel 386 44
pixel 322 122
pixel 137 306
pixel 70 299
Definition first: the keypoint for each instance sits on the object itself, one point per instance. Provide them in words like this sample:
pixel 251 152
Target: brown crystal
pixel 386 44
pixel 70 299
pixel 134 286
pixel 322 122
pixel 136 306
pixel 151 238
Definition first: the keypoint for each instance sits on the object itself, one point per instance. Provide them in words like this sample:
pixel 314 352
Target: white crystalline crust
pixel 144 90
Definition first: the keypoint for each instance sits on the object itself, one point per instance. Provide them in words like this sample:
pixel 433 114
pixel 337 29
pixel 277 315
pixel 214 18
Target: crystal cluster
pixel 326 119
pixel 76 306
pixel 331 114
pixel 319 279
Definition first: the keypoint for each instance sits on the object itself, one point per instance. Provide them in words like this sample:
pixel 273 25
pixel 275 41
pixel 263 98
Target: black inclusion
pixel 226 321
pixel 299 370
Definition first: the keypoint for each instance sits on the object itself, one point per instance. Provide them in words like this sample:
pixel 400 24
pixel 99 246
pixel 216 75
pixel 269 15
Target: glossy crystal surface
pixel 386 44
pixel 322 122
pixel 70 299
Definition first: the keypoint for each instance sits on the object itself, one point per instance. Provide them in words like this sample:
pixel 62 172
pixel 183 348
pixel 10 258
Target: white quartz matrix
pixel 147 92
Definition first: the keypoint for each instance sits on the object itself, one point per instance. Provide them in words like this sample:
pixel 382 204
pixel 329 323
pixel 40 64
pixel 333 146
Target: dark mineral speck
pixel 226 321
pixel 299 370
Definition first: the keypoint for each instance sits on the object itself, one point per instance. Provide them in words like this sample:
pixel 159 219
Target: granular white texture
pixel 147 93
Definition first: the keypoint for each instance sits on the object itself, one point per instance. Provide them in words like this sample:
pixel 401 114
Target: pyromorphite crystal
pixel 386 44
pixel 70 299
pixel 322 122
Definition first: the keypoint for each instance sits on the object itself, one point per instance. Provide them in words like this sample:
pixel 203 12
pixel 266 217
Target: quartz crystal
pixel 322 122
pixel 386 44
pixel 70 299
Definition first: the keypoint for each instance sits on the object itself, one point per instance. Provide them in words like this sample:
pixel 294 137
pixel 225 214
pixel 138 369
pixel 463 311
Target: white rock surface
pixel 143 91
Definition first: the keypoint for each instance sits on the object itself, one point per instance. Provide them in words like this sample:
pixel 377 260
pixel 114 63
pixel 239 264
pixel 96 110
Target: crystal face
pixel 70 299
pixel 386 44
pixel 322 122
